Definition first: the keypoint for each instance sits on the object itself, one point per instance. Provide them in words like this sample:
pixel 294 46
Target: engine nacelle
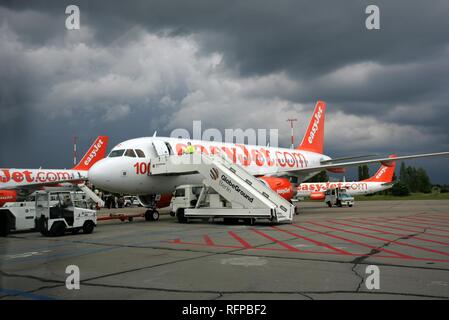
pixel 281 186
pixel 155 200
pixel 7 196
pixel 317 196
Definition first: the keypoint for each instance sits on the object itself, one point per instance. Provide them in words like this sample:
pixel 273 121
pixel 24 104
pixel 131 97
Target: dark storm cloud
pixel 276 55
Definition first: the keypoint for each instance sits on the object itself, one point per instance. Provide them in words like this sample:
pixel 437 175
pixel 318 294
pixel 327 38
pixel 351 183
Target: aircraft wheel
pixel 148 214
pixel 155 215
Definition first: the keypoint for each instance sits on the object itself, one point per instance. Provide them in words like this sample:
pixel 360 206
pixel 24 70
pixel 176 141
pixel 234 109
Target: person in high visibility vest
pixel 189 149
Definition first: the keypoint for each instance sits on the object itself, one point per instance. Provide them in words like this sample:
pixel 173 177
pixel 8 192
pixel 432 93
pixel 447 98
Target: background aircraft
pixel 382 180
pixel 16 184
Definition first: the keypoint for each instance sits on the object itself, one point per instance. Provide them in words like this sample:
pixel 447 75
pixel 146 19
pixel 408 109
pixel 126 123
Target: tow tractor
pixel 19 216
pixel 60 211
pixel 338 197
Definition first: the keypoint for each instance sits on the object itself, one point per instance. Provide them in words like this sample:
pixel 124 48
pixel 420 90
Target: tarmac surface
pixel 324 254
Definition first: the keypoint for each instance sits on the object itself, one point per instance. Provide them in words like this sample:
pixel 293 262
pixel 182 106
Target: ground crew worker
pixel 189 149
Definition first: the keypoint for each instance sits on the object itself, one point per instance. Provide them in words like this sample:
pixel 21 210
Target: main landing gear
pixel 151 215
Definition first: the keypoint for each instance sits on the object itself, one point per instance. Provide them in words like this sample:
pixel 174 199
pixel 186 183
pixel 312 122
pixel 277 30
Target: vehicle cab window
pixel 130 153
pixel 140 153
pixel 180 193
pixel 116 153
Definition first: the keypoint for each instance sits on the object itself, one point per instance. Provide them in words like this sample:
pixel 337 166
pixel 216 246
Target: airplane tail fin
pixel 385 172
pixel 96 152
pixel 314 138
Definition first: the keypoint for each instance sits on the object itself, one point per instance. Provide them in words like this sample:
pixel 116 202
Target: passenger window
pixel 130 153
pixel 116 153
pixel 140 153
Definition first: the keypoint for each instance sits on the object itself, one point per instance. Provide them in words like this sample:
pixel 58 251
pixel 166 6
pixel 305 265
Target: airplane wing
pixel 360 162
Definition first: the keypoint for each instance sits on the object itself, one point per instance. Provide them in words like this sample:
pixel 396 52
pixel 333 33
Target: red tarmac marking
pixel 208 240
pixel 433 218
pixel 394 228
pixel 319 243
pixel 387 232
pixel 381 239
pixel 354 242
pixel 236 237
pixel 419 220
pixel 285 245
pixel 393 221
pixel 435 215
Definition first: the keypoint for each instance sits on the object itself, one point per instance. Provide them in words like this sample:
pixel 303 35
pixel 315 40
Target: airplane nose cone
pixel 98 175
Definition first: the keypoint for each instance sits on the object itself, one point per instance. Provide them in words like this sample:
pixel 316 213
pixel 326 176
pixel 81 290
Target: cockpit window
pixel 116 153
pixel 130 153
pixel 140 153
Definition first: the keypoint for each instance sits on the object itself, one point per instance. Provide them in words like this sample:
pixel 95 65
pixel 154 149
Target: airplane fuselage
pixel 131 174
pixel 353 188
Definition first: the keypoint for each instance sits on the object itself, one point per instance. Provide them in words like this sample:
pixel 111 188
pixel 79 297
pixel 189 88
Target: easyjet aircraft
pixel 127 167
pixel 17 183
pixel 382 180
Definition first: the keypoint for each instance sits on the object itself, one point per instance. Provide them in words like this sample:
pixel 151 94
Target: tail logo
pixel 92 155
pixel 316 124
pixel 381 173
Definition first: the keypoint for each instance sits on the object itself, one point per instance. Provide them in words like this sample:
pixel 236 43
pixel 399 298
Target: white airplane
pixel 127 167
pixel 382 180
pixel 15 184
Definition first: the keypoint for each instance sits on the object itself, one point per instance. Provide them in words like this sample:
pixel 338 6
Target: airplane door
pixel 161 148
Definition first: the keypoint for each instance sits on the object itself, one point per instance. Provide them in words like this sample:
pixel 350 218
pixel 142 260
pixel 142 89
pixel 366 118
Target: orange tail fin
pixel 314 138
pixel 385 172
pixel 96 152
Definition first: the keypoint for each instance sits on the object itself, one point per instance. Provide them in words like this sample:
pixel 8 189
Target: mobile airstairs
pixel 241 195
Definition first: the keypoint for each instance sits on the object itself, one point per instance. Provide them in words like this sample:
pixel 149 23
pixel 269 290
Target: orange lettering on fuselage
pixel 246 156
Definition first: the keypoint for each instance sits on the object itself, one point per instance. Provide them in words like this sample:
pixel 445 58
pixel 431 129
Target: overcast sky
pixel 139 66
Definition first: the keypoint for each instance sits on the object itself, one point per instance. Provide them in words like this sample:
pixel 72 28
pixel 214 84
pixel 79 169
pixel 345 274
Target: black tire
pixel 350 205
pixel 148 215
pixel 42 226
pixel 180 216
pixel 230 220
pixel 172 214
pixel 250 221
pixel 57 229
pixel 155 215
pixel 88 227
pixel 130 219
pixel 329 204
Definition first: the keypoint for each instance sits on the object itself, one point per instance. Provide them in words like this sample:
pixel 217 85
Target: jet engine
pixel 281 186
pixel 317 196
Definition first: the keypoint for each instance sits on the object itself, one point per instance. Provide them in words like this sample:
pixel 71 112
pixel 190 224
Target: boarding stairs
pixel 248 196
